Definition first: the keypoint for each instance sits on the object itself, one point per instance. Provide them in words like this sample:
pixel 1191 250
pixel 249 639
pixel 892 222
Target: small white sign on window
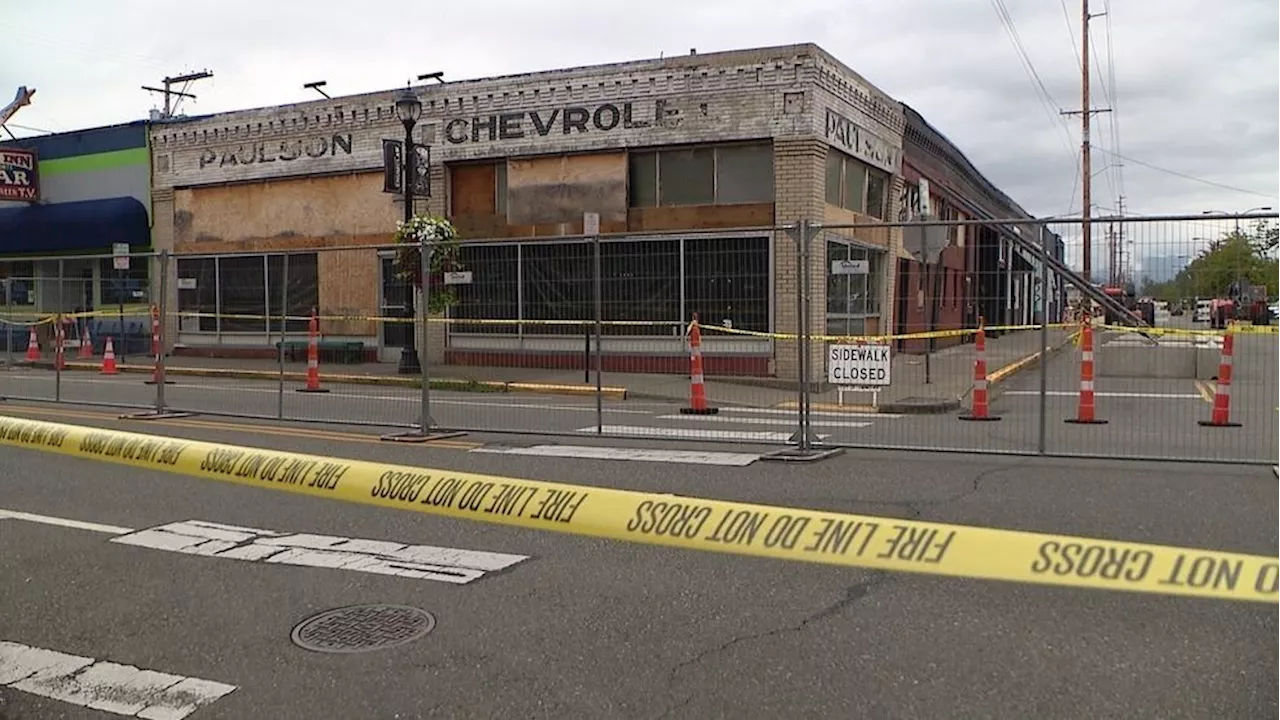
pixel 186 283
pixel 850 267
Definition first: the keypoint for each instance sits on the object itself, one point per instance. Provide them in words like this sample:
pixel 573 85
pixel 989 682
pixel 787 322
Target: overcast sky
pixel 1196 89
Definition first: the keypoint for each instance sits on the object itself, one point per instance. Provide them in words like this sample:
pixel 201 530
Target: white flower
pixel 425 227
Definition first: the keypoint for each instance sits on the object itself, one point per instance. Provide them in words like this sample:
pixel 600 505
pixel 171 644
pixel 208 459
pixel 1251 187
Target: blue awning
pixel 86 226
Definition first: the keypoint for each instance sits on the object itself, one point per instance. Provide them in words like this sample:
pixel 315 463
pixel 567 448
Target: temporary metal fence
pixel 813 336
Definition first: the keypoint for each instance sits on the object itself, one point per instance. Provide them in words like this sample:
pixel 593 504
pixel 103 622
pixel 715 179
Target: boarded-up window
pixel 473 189
pixel 559 189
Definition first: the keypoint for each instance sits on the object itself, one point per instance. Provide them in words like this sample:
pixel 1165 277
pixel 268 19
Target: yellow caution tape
pixel 686 522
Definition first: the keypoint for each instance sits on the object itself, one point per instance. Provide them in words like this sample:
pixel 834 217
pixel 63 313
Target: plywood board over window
pixel 559 189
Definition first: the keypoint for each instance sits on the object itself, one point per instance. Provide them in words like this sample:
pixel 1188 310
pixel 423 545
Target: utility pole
pixel 170 106
pixel 1086 160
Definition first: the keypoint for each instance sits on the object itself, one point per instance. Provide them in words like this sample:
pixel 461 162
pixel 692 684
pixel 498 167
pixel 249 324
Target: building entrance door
pixel 394 295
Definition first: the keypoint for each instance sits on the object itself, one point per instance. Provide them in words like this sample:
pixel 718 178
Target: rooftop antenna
pixel 437 76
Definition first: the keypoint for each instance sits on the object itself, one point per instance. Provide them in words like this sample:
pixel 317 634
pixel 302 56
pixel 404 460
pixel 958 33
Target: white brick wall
pixel 687 99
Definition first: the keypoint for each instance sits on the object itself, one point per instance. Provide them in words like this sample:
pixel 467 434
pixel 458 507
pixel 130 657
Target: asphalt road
pixel 600 629
pixel 1146 417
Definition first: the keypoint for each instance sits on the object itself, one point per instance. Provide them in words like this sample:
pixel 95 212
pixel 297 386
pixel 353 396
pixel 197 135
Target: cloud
pixel 1196 91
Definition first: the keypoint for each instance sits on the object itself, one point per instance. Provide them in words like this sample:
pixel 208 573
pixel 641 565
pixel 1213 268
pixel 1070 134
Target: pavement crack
pixel 852 595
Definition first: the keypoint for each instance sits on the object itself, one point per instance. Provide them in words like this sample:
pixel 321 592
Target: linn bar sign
pixel 18 177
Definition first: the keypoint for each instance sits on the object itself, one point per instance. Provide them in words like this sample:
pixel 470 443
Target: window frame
pixel 655 154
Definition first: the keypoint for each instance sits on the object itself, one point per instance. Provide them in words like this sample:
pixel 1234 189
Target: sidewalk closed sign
pixel 858 364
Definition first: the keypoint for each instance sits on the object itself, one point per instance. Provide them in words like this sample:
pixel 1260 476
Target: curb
pixel 1002 375
pixel 491 386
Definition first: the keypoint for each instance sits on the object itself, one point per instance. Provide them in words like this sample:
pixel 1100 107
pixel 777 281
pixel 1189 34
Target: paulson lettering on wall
pixel 278 150
pixel 19 179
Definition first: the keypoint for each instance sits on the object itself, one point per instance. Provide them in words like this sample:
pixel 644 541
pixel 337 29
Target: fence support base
pixel 1078 421
pixel 803 454
pixel 155 415
pixel 418 436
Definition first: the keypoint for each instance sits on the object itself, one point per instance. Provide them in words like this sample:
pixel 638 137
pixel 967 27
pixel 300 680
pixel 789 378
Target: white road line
pixel 691 433
pixel 422 562
pixel 814 413
pixel 197 537
pixel 409 396
pixel 1073 393
pixel 688 457
pixel 100 685
pixel 781 422
pixel 64 522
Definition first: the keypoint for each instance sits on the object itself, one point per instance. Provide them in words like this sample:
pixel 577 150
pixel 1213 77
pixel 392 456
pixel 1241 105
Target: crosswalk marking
pixel 423 562
pixel 690 433
pixel 690 457
pixel 777 422
pixel 107 686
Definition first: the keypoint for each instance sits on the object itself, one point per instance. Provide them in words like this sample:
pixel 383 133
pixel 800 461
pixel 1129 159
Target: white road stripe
pixel 782 422
pixel 691 433
pixel 196 537
pixel 423 562
pixel 1073 393
pixel 689 457
pixel 64 522
pixel 111 687
pixel 814 413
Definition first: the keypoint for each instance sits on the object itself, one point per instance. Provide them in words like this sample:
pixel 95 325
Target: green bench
pixel 349 352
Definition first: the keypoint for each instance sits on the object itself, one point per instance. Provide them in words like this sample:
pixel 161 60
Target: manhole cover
pixel 362 628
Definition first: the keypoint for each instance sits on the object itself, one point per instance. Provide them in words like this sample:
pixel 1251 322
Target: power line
pixel 1042 92
pixel 1191 177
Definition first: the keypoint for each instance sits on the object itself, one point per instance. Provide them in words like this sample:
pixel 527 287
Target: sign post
pixel 120 261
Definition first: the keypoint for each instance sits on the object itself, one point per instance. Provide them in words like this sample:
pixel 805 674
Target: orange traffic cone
pixel 33 346
pixel 1085 412
pixel 697 387
pixel 157 351
pixel 1222 393
pixel 313 357
pixel 86 343
pixel 109 359
pixel 980 410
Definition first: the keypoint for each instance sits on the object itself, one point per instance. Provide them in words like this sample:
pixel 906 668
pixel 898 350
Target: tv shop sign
pixel 18 175
pixel 863 364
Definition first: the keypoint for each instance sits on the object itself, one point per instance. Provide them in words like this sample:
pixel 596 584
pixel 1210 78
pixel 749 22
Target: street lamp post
pixel 409 109
pixel 1264 208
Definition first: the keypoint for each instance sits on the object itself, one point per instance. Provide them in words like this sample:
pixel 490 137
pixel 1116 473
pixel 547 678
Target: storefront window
pixel 19 283
pixel 711 175
pixel 248 293
pixel 855 186
pixel 657 283
pixel 132 286
pixel 853 292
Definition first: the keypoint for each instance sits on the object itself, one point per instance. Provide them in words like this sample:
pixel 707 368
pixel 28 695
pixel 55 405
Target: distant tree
pixel 1248 255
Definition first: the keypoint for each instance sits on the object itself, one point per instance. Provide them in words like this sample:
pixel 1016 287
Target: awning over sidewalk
pixel 87 225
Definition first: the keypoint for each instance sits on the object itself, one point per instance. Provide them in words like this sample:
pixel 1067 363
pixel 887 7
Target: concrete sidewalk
pixel 950 377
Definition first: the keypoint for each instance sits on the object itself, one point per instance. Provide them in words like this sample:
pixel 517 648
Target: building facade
pixel 93 190
pixel 983 272
pixel 691 162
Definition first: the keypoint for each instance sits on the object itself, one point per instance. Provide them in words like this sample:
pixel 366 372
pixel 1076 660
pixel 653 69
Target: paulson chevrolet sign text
pixel 18 179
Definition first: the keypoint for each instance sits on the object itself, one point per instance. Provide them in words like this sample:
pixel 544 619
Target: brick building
pixel 690 161
pixel 982 272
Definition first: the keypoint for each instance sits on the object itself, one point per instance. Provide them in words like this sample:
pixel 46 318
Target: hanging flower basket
pixel 442 239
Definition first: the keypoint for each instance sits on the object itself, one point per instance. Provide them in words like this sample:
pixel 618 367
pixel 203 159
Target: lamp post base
pixel 409 364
